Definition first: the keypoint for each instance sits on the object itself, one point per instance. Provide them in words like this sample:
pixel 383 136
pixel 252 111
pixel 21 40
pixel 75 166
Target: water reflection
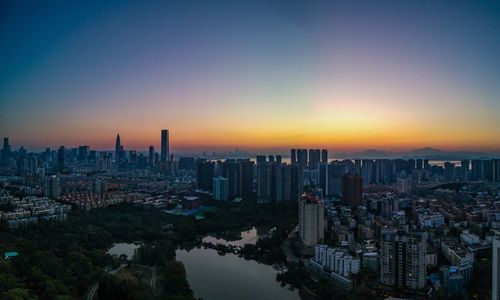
pixel 215 277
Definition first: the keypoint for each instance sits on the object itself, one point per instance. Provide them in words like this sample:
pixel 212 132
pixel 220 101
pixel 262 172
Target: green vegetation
pixel 64 259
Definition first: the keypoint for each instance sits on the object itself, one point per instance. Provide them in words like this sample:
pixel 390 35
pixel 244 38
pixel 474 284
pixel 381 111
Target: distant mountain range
pixel 427 153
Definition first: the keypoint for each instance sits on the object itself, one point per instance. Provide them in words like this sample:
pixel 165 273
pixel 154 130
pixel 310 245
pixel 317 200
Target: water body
pixel 215 277
pixel 124 248
pixel 246 237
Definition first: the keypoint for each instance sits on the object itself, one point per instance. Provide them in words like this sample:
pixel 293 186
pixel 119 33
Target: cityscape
pixel 274 150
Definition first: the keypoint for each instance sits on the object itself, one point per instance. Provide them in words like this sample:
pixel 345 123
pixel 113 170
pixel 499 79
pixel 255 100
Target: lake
pixel 246 237
pixel 124 248
pixel 215 277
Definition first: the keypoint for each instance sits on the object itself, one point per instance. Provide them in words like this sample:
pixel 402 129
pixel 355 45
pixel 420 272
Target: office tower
pixel 426 164
pixel 164 145
pixel 264 180
pixel 495 279
pixel 245 179
pixel 324 156
pixel 220 189
pixel 402 259
pixel 204 174
pixel 314 158
pixel 302 158
pixel 311 220
pixel 293 156
pixel 118 149
pixel 99 187
pixel 278 159
pixel 5 151
pixel 495 163
pixel 60 158
pixel 52 187
pixel 352 189
pixel 151 157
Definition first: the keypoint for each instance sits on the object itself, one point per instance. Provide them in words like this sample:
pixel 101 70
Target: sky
pixel 258 75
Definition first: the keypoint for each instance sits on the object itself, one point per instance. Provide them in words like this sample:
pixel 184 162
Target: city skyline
pixel 260 75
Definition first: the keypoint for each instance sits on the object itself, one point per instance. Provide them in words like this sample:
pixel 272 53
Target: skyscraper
pixel 5 151
pixel 204 174
pixel 352 189
pixel 293 156
pixel 311 220
pixel 264 180
pixel 324 156
pixel 60 159
pixel 118 149
pixel 164 145
pixel 151 157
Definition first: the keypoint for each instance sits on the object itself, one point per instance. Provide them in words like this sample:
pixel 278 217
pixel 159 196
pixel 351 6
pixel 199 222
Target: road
pixel 93 289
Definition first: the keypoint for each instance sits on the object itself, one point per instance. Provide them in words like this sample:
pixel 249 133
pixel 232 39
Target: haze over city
pixel 259 75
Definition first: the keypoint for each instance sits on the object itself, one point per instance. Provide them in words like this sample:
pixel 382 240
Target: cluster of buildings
pixel 30 210
pixel 390 217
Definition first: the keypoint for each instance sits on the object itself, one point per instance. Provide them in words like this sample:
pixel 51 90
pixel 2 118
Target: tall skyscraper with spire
pixel 164 145
pixel 118 148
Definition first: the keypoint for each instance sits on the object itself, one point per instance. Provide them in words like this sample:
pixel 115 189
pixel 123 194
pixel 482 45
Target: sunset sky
pixel 262 75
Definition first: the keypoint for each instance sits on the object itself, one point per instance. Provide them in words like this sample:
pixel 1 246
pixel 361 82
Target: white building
pixel 311 220
pixel 431 220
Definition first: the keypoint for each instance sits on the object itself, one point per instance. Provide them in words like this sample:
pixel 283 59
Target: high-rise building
pixel 83 153
pixel 264 180
pixel 402 259
pixel 496 170
pixel 495 279
pixel 293 156
pixel 118 150
pixel 293 183
pixel 220 189
pixel 52 187
pixel 230 172
pixel 60 158
pixel 99 187
pixel 311 220
pixel 324 156
pixel 367 170
pixel 164 145
pixel 352 189
pixel 204 174
pixel 5 151
pixel 314 158
pixel 302 158
pixel 245 179
pixel 151 157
